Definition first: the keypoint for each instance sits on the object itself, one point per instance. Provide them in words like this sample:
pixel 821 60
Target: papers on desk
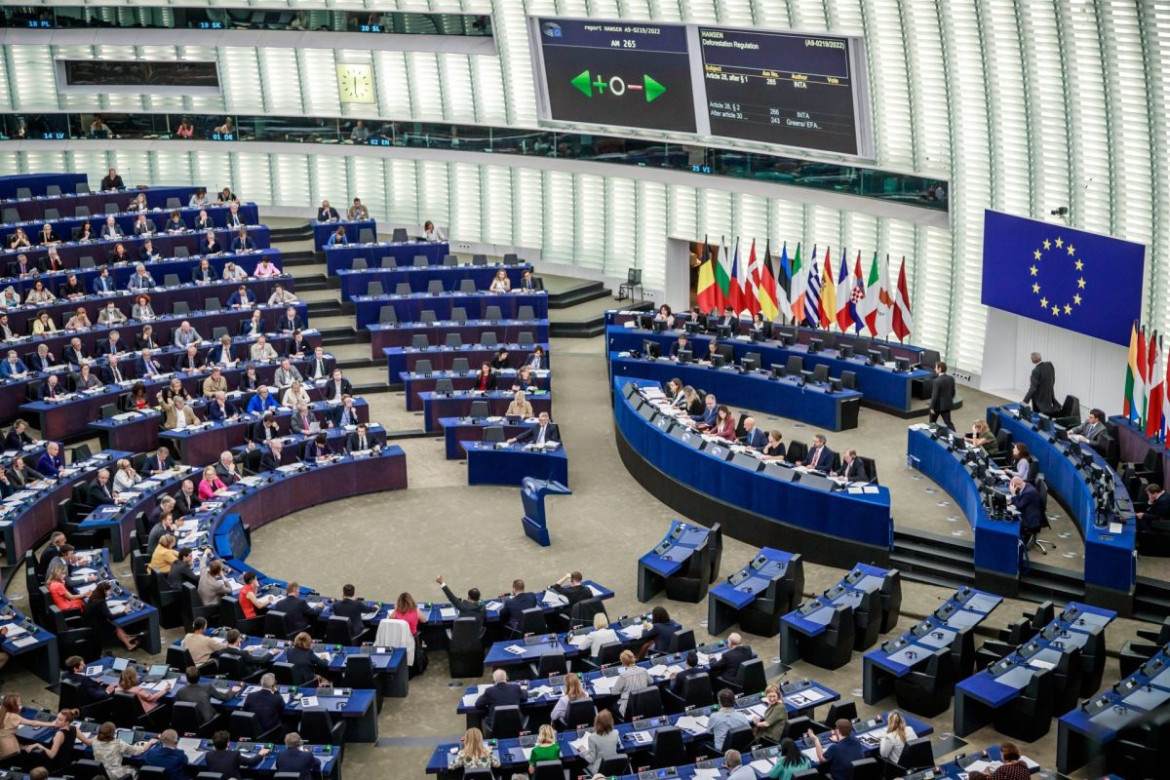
pixel 862 489
pixel 541 692
pixel 713 774
pixel 124 416
pixel 554 599
pixel 190 747
pixel 640 737
pixel 84 572
pixel 764 765
pixel 157 687
pixel 21 495
pixel 494 606
pixel 250 481
pixel 24 641
pixel 515 649
pixel 85 590
pixel 15 630
pixel 603 685
pixel 595 591
pixel 633 632
pixel 448 613
pixel 811 754
pixel 579 745
pixel 308 701
pixel 581 642
pixel 692 724
pixel 756 710
pixel 289 469
pixel 805 698
pixel 117 608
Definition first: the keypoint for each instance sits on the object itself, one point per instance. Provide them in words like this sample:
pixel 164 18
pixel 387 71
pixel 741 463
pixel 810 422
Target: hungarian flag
pixel 782 274
pixel 1158 391
pixel 796 295
pixel 827 311
pixel 812 295
pixel 870 307
pixel 723 276
pixel 903 318
pixel 708 291
pixel 843 316
pixel 857 299
pixel 1129 403
pixel 766 292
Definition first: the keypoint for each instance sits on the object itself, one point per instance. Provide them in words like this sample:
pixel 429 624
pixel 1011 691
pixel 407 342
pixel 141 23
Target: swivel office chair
pixel 668 748
pixel 1028 717
pixel 833 647
pixel 928 688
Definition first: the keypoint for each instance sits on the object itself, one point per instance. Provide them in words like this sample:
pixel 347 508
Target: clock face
pixel 355 83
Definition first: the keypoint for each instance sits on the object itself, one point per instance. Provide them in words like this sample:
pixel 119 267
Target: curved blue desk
pixel 509 464
pixel 409 308
pixel 1110 562
pixel 680 543
pixel 354 282
pixel 337 258
pixel 353 230
pixel 764 508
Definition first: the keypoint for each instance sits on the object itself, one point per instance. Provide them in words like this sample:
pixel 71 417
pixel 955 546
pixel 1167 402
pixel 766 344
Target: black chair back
pixel 668 748
pixel 507 723
pixel 581 713
pixel 532 621
pixel 185 718
pixel 549 770
pixel 645 703
pixel 916 755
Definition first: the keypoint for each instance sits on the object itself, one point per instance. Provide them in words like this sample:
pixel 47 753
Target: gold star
pixel 1059 242
pixel 1036 254
pixel 1077 300
pixel 1047 244
pixel 1067 309
pixel 1035 288
pixel 1080 264
pixel 1071 250
pixel 1044 303
pixel 1055 311
pixel 1081 283
pixel 1034 270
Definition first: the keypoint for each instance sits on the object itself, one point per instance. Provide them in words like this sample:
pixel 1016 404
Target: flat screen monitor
pixel 747 461
pixel 901 364
pixel 685 355
pixel 651 349
pixel 817 482
pixel 629 390
pixel 834 384
pixel 717 451
pixel 751 362
pixel 718 360
pixel 647 411
pixel 693 327
pixel 780 471
pixel 815 344
pixel 724 331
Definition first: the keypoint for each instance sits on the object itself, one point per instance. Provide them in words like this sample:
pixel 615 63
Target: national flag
pixel 735 295
pixel 844 297
pixel 797 295
pixel 1129 402
pixel 857 299
pixel 1139 387
pixel 1158 392
pixel 812 295
pixel 1166 402
pixel 751 282
pixel 870 307
pixel 782 275
pixel 886 301
pixel 723 276
pixel 903 318
pixel 767 295
pixel 708 295
pixel 827 311
pixel 1151 381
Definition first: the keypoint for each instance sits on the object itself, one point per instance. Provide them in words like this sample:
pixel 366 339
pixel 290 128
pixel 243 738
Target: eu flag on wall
pixel 1083 282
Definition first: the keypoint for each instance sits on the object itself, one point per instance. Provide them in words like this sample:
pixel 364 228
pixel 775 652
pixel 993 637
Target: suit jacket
pixel 297 761
pixel 353 442
pixel 942 395
pixel 48 391
pixel 184 504
pixel 552 433
pixel 728 665
pixel 74 357
pixel 39 363
pixel 217 412
pixel 482 384
pixel 298 614
pixel 140 367
pixel 258 433
pixel 229 763
pixel 515 606
pixel 15 441
pixel 500 695
pixel 152 464
pixel 103 284
pixel 676 685
pixel 1028 502
pixel 1091 432
pixel 351 609
pixel 282 378
pixel 1159 509
pixel 467 608
pixel 49 465
pixel 822 462
pixel 268 707
pixel 337 414
pixel 171 416
pixel 755 438
pixel 248 299
pixel 201 694
pixel 99 494
pixel 91 690
pixel 315 371
pixel 536 361
pixel 181 572
pixel 226 475
pixel 284 323
pixel 8 369
pixel 298 423
pixel 326 215
pixel 330 389
pixel 855 471
pixel 708 416
pixel 185 361
pixel 1042 388
pixel 207 276
pixel 269 462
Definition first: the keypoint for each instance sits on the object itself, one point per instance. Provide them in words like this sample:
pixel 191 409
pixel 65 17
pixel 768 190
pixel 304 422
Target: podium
pixel 532 493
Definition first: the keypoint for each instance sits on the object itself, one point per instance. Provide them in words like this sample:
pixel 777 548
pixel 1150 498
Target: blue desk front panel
pixel 509 465
pixel 354 282
pixel 409 308
pixel 323 230
pixel 342 257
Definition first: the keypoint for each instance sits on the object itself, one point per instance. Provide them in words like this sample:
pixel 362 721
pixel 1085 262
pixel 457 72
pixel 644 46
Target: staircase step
pixel 586 291
pixel 325 309
pixel 295 233
pixel 313 283
pixel 335 336
pixel 295 259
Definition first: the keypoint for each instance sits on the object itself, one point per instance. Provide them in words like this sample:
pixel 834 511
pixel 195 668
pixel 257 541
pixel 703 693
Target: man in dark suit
pixel 227 762
pixel 270 460
pixel 337 387
pixel 159 462
pixel 541 433
pixel 752 436
pixel 186 500
pixel 854 469
pixel 575 590
pixel 1157 508
pixel 167 756
pixel 682 343
pixel 290 322
pixel 501 694
pixel 327 213
pixel 820 457
pixel 17 437
pixel 146 366
pixel 99 491
pixel 42 360
pixel 103 283
pixel 1042 386
pixel 470 607
pixel 182 570
pixel 298 615
pixel 221 407
pixel 266 704
pixel 1026 499
pixel 293 760
pixel 515 606
pixel 728 664
pixel 360 440
pixel 112 181
pixel 1092 431
pixel 89 689
pixel 264 430
pixel 190 362
pixel 75 353
pixel 201 695
pixel 942 395
pixel 537 360
pixel 52 550
pixel 692 668
pixel 351 609
pixel 346 414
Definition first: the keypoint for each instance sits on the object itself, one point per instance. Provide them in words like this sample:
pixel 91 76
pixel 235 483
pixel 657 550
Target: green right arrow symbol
pixel 653 88
pixel 582 82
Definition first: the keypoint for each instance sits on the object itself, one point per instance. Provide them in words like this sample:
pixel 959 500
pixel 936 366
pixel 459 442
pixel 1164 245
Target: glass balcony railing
pixel 697 159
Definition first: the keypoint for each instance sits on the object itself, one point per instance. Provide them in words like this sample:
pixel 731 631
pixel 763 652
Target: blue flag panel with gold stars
pixel 1084 282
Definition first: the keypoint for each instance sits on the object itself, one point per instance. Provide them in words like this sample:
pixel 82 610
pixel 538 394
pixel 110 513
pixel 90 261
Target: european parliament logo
pixel 1072 279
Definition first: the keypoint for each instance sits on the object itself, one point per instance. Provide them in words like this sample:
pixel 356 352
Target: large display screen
pixel 617 73
pixel 780 88
pixel 783 88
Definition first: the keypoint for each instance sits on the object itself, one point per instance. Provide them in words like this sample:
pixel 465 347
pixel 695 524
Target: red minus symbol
pixel 635 87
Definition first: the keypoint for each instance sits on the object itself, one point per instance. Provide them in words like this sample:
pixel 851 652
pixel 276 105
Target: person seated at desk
pixel 690 669
pixel 541 433
pixel 242 298
pixel 575 590
pixel 1157 510
pixel 484 379
pixel 1022 465
pixel 148 254
pixel 166 753
pixel 358 211
pixel 432 234
pixel 707 418
pixel 471 606
pixel 109 751
pixel 86 235
pixel 302 422
pixel 175 224
pixel 84 379
pixel 103 284
pixel 233 272
pixel 307 666
pixel 20 474
pixel 242 243
pixel 190 362
pixel 294 760
pixel 501 360
pixel 361 441
pixel 724 426
pixel 546 749
pixel 63 598
pixel 317 449
pixel 19 240
pixel 500 693
pixel 225 468
pixel 21 268
pixel 182 570
pixel 204 273
pixel 143 226
pixel 110 315
pixel 50 463
pixel 665 315
pixel 147 366
pixel 52 263
pixel 203 222
pixel 175 388
pixel 145 339
pixel 266 702
pixel 338 238
pixel 982 437
pixel 165 554
pixel 820 457
pixel 223 354
pixel 286 374
pixel 72 290
pixel 692 404
pixel 344 415
pixel 1092 431
pixel 249 600
pixel 501 283
pixel 38 295
pixel 753 436
pixel 249 381
pixel 120 256
pixel 352 609
pixel 58 754
pixel 215 382
pixel 538 360
pixel 125 477
pixel 17 437
pixel 210 485
pixel 721 722
pixel 728 664
pixel 681 343
pixel 265 268
pixel 262 401
pixel 298 615
pixel 338 386
pixel 234 219
pixel 515 605
pixel 75 353
pixel 228 762
pixel 298 347
pixel 90 690
pixel 854 468
pixel 327 213
pixel 51 389
pixel 210 245
pixel 142 310
pixel 524 380
pixel 631 678
pixel 111 229
pixel 262 351
pixel 42 325
pixel 185 335
pixel 529 282
pixel 212 585
pixel 270 460
pixel 1026 499
pixel 290 322
pixel 159 463
pixel 474 754
pixel 177 415
pixel 520 407
pixel 253 326
pixel 844 750
pixel 141 279
pixel 674 391
pixel 201 694
pixel 661 632
pixel 281 296
pixel 101 619
pixel 221 409
pixel 227 196
pixel 79 320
